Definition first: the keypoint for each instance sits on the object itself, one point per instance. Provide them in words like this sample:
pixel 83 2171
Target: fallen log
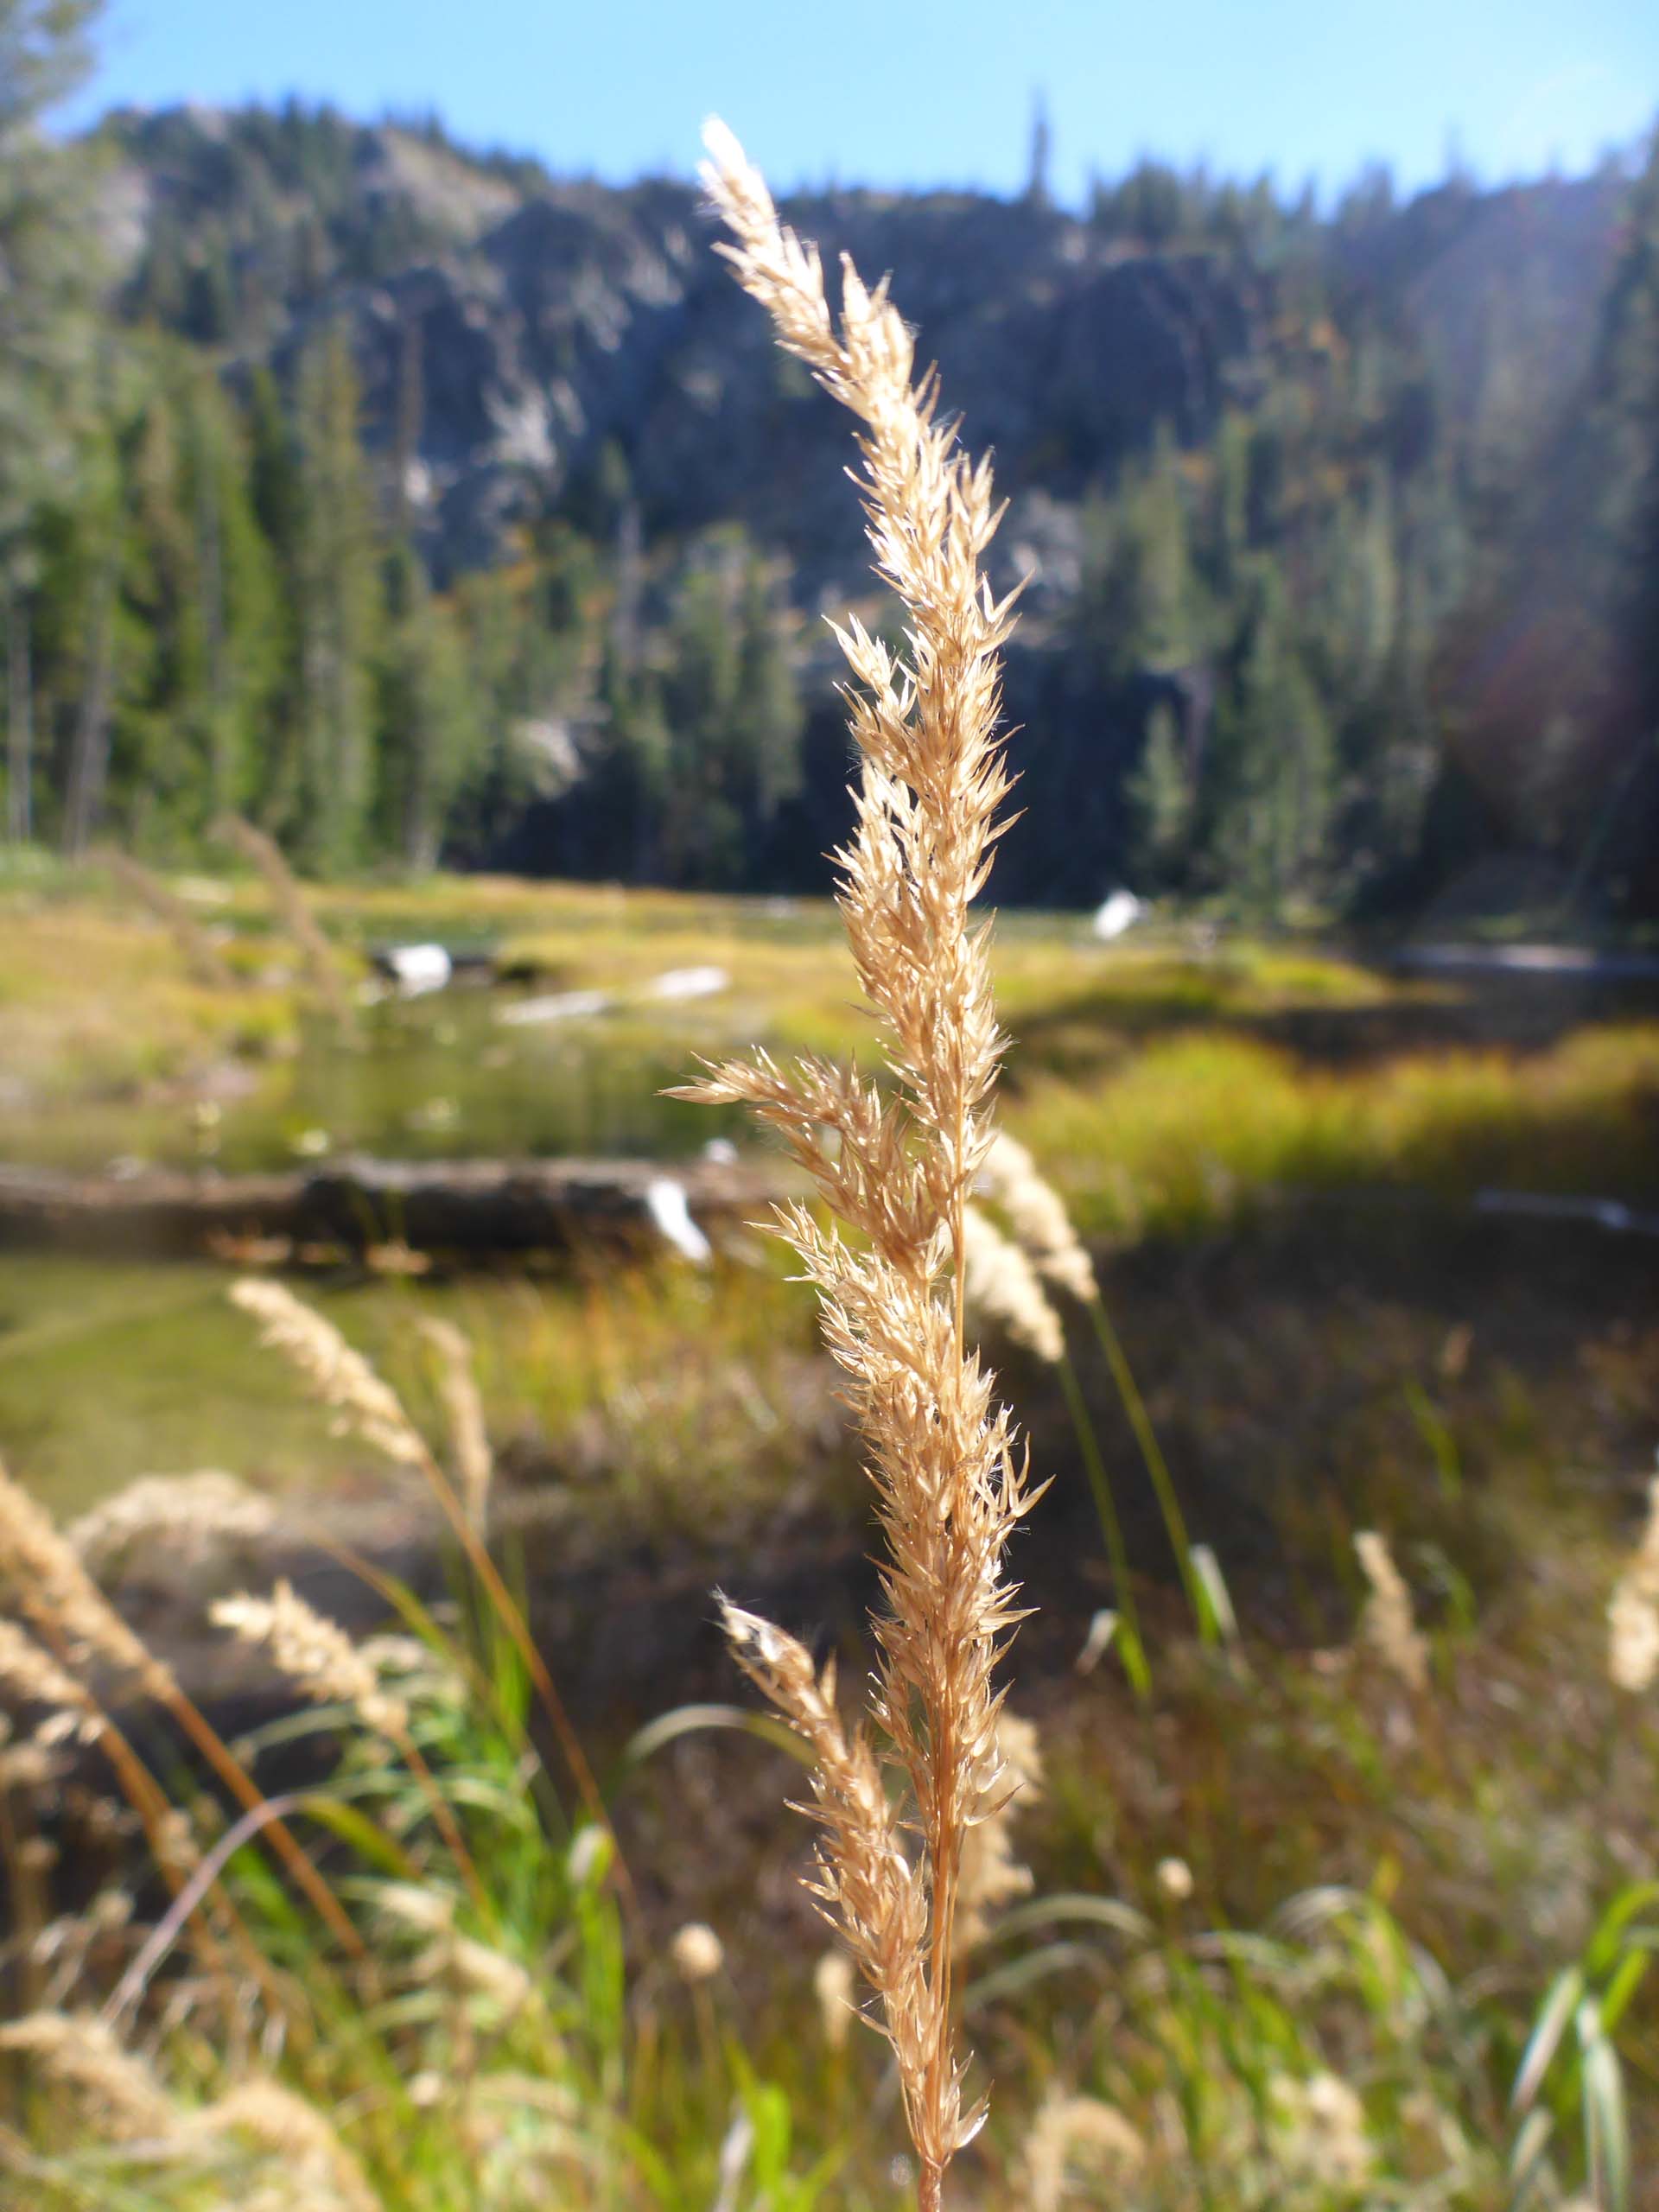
pixel 466 1209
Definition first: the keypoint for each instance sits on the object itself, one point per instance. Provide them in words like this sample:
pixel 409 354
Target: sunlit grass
pixel 1193 1127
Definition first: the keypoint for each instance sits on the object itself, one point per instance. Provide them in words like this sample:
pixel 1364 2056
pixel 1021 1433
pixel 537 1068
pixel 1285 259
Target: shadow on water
pixel 1092 1029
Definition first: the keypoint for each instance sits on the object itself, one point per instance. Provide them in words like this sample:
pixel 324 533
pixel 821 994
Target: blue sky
pixel 922 92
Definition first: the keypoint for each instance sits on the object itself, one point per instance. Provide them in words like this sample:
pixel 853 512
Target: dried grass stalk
pixel 202 957
pixel 325 2175
pixel 950 1486
pixel 367 1406
pixel 463 1410
pixel 113 2093
pixel 1037 1214
pixel 991 1876
pixel 44 1576
pixel 321 964
pixel 31 1674
pixel 194 1514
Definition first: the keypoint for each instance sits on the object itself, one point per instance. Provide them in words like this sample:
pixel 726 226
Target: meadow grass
pixel 1350 1905
pixel 1297 1934
pixel 1166 1090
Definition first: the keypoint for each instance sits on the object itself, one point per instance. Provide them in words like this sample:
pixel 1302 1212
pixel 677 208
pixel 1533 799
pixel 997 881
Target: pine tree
pixel 770 718
pixel 1142 599
pixel 1270 839
pixel 431 726
pixel 1161 802
pixel 49 258
pixel 337 592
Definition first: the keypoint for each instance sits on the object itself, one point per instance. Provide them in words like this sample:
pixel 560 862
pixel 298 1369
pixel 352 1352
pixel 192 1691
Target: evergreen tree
pixel 337 598
pixel 1161 802
pixel 47 275
pixel 430 727
pixel 1142 605
pixel 1270 834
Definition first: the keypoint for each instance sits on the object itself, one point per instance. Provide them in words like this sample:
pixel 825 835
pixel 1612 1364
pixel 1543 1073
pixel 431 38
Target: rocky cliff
pixel 541 321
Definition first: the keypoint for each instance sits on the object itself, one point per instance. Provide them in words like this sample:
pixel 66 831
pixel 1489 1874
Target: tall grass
pixel 897 1172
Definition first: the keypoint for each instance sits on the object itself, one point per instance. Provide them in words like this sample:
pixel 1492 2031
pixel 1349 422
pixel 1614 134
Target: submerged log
pixel 468 1208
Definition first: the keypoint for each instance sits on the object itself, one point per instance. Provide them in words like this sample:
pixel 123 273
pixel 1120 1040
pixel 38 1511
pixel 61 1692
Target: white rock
pixel 1121 911
pixel 689 983
pixel 418 968
pixel 665 1204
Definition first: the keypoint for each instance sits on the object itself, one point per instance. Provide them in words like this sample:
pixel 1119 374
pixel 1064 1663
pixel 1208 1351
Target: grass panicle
pixel 898 1172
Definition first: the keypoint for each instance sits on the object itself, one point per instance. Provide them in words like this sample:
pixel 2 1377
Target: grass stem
pixel 1128 1639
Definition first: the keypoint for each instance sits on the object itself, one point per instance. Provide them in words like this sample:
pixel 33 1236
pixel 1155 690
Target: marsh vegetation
pixel 1275 1150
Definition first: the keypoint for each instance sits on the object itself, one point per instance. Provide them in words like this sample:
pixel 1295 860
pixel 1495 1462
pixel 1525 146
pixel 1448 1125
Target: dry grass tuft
pixel 196 1515
pixel 1037 1216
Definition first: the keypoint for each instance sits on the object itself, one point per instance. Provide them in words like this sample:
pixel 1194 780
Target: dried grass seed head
pixel 949 1487
pixel 315 1653
pixel 1389 1625
pixel 1633 1610
pixel 991 1876
pixel 114 2092
pixel 48 1582
pixel 195 1514
pixel 30 1673
pixel 364 1404
pixel 1072 2137
pixel 1037 1214
pixel 1002 1288
pixel 464 1411
pixel 697 1953
pixel 325 2176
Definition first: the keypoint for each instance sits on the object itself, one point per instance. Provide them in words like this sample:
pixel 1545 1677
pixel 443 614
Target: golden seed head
pixel 336 1374
pixel 117 2095
pixel 1174 1879
pixel 315 1653
pixel 1075 2140
pixel 835 1985
pixel 32 1673
pixel 196 1513
pixel 990 1876
pixel 1002 1287
pixel 697 1953
pixel 464 1411
pixel 1633 1610
pixel 1389 1625
pixel 898 1169
pixel 324 2174
pixel 1037 1214
pixel 1318 2130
